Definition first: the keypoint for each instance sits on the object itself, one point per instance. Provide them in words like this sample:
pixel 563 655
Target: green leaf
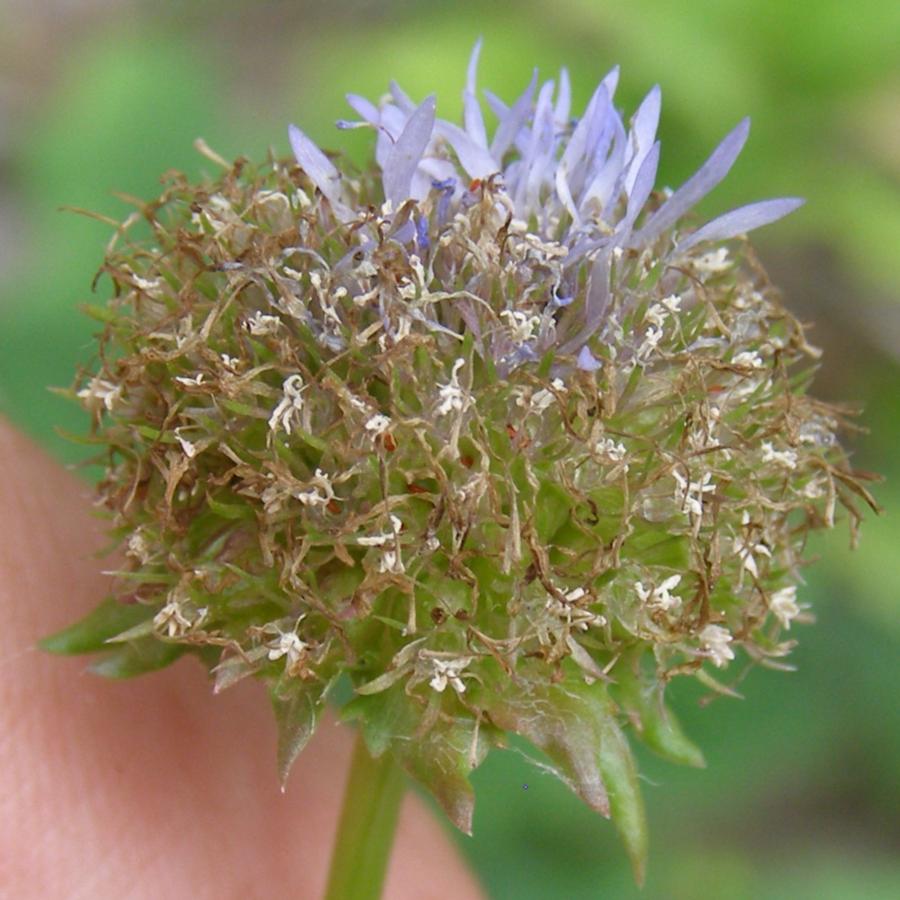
pixel 468 343
pixel 492 582
pixel 490 369
pixel 297 712
pixel 400 666
pixel 91 633
pixel 137 658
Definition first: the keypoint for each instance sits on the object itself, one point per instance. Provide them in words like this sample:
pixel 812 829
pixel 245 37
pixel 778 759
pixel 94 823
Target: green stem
pixel 366 829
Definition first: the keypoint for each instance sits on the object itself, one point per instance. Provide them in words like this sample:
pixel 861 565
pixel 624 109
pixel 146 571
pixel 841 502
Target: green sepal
pixel 240 409
pixel 153 434
pixel 85 440
pixel 297 706
pixel 655 724
pixel 653 546
pixel 229 510
pixel 561 723
pixel 138 657
pixel 439 755
pixel 99 313
pixel 141 630
pixel 575 725
pixel 467 346
pixel 626 804
pixel 90 634
pixel 553 508
pixel 381 716
pixel 395 624
pixel 311 440
pixel 441 760
pixel 546 364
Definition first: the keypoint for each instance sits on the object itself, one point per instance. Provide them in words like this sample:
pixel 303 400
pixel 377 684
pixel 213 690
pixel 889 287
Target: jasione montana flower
pixel 491 431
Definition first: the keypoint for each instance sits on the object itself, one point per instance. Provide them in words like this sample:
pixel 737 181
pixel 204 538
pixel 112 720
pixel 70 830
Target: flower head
pixel 404 408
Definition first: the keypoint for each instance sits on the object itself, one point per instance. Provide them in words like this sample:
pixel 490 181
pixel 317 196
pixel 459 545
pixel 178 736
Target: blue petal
pixel 476 161
pixel 741 220
pixel 472 117
pixel 564 98
pixel 365 108
pixel 641 188
pixel 423 242
pixel 498 107
pixel 403 158
pixel 430 169
pixel 598 291
pixel 401 98
pixel 601 192
pixel 512 119
pixel 595 305
pixel 611 81
pixel 586 361
pixel 538 154
pixel 387 122
pixel 318 167
pixel 579 151
pixel 583 140
pixel 643 133
pixel 697 187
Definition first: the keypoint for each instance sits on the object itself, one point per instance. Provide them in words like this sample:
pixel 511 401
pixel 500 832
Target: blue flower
pixel 585 182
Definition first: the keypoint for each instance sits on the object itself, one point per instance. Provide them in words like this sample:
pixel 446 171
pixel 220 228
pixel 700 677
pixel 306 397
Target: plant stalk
pixel 366 828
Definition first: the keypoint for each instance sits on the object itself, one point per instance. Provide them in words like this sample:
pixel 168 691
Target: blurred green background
pixel 801 794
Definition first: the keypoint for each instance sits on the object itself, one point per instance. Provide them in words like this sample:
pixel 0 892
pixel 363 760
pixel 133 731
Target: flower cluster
pixel 491 431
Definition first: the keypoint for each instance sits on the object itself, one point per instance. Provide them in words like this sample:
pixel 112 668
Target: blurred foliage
pixel 800 795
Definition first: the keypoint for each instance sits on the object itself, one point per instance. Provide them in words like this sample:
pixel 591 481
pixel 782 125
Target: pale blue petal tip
pixel 586 361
